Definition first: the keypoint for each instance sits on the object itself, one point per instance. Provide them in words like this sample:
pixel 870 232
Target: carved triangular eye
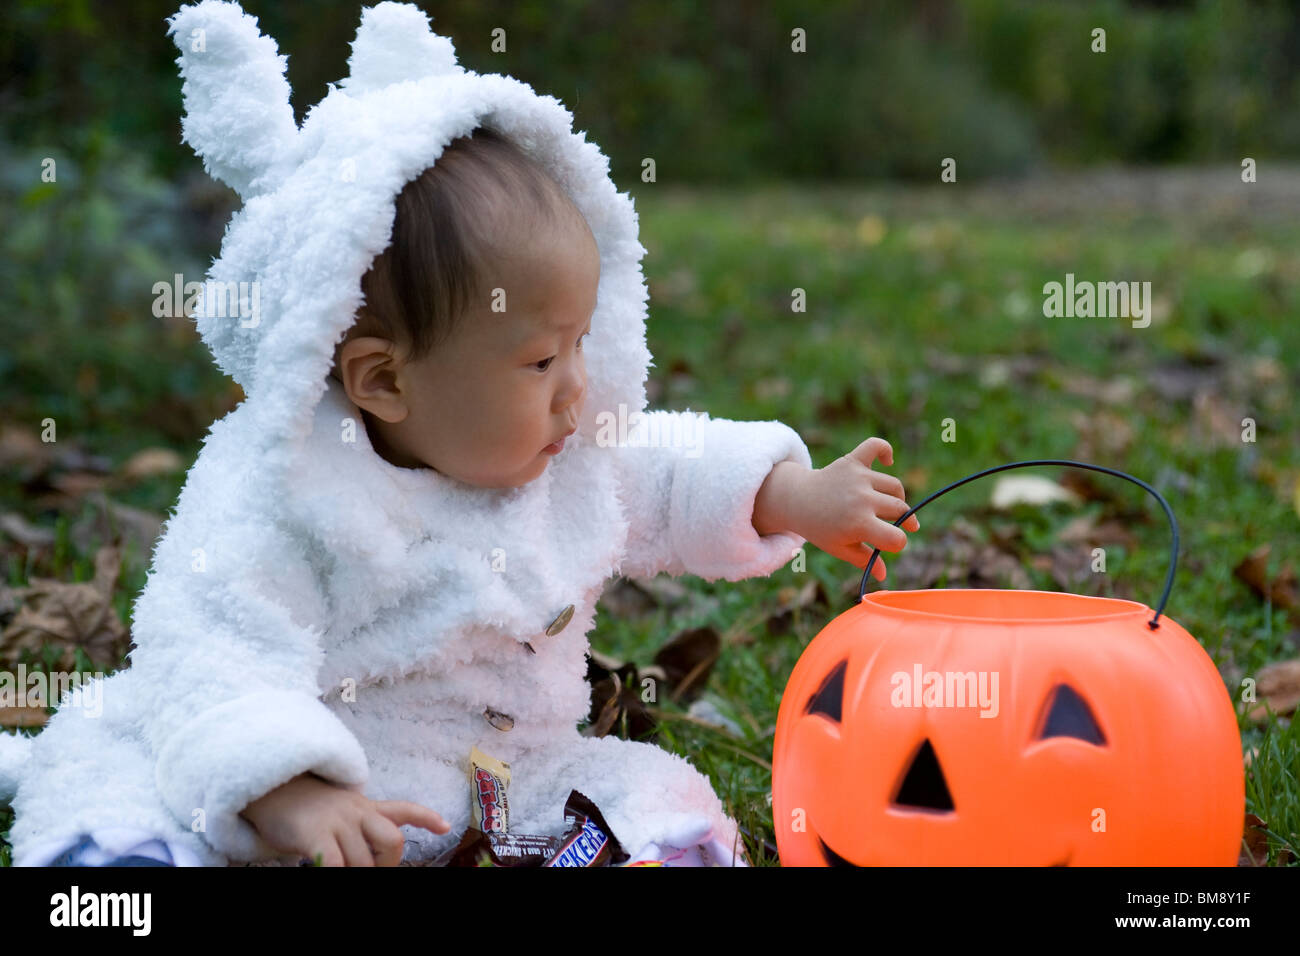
pixel 1068 715
pixel 924 786
pixel 828 698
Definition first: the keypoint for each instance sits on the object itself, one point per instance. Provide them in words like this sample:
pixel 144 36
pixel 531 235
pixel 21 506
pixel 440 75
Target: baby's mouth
pixel 557 446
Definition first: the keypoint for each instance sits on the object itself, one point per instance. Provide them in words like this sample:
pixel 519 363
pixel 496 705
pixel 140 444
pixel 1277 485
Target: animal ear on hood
pixel 237 114
pixel 394 44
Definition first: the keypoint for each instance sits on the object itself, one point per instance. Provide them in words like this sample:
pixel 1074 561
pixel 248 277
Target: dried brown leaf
pixel 150 462
pixel 77 484
pixel 22 450
pixel 1279 686
pixel 624 599
pixel 1253 570
pixel 1254 842
pixel 791 599
pixel 23 717
pixel 1102 435
pixel 67 616
pixel 1217 422
pixel 687 660
pixel 24 532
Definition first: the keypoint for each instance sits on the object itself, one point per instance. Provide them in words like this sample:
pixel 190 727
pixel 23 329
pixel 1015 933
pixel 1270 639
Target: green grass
pixel 894 276
pixel 966 277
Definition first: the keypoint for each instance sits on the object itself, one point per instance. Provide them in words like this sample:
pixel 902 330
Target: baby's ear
pixel 237 114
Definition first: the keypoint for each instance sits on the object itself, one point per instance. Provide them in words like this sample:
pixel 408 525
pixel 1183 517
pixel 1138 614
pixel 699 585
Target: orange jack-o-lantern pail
pixel 1016 728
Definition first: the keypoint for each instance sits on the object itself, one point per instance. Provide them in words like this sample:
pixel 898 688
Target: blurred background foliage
pixel 715 93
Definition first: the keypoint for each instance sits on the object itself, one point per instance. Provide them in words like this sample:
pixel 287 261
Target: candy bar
pixel 489 778
pixel 477 848
pixel 589 840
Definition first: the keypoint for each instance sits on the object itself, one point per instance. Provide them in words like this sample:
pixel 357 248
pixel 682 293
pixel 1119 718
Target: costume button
pixel 561 622
pixel 499 720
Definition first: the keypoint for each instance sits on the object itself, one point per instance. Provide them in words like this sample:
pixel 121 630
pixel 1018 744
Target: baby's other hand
pixel 847 508
pixel 310 816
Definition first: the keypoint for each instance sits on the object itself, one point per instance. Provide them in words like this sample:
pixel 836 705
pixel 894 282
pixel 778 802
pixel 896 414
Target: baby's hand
pixel 310 816
pixel 844 504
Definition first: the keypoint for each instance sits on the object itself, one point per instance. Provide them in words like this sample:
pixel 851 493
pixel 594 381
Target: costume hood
pixel 319 201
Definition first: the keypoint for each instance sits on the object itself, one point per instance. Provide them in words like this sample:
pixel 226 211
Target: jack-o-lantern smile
pixel 923 788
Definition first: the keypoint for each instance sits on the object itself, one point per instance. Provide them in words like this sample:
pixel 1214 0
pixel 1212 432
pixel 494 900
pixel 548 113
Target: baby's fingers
pixel 329 853
pixel 385 839
pixel 403 811
pixel 356 852
pixel 859 554
pixel 885 535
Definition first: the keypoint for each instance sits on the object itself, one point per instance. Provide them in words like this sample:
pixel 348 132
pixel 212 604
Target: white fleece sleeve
pixel 227 633
pixel 688 484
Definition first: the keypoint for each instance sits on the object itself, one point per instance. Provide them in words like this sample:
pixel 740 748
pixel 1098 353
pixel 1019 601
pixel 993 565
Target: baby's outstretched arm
pixel 688 482
pixel 839 507
pixel 311 816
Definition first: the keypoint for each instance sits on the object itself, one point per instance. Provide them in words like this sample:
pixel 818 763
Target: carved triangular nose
pixel 923 786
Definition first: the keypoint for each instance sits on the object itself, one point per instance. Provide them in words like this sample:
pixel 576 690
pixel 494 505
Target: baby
pixel 391 553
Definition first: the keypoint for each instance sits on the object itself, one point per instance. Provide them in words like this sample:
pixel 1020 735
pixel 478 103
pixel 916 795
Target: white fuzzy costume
pixel 312 607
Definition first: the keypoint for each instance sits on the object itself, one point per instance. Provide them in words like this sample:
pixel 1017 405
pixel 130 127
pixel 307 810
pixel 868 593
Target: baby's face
pixel 485 404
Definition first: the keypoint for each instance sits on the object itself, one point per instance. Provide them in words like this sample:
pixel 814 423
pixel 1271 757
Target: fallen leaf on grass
pixel 1254 842
pixel 791 599
pixel 687 660
pixel 151 462
pixel 957 556
pixel 1103 435
pixel 77 484
pixel 117 524
pixel 1182 378
pixel 24 532
pixel 23 452
pixel 1279 686
pixel 1217 423
pixel 1029 490
pixel 623 599
pixel 680 671
pixel 844 408
pixel 23 717
pixel 1253 570
pixel 1116 390
pixel 67 616
pixel 632 597
pixel 707 712
pixel 1070 568
pixel 1085 530
pixel 615 697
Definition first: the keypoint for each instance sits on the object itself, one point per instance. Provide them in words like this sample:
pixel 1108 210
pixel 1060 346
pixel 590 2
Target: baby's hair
pixel 450 223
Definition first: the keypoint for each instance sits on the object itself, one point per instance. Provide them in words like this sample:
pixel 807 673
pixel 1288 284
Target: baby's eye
pixel 544 364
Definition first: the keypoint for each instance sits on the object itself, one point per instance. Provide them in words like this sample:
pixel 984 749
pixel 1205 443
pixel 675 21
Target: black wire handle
pixel 1173 523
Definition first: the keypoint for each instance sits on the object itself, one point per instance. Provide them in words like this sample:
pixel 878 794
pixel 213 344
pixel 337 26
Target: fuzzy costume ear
pixel 237 113
pixel 393 44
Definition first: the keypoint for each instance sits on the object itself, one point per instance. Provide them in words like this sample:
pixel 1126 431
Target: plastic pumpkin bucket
pixel 1019 728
